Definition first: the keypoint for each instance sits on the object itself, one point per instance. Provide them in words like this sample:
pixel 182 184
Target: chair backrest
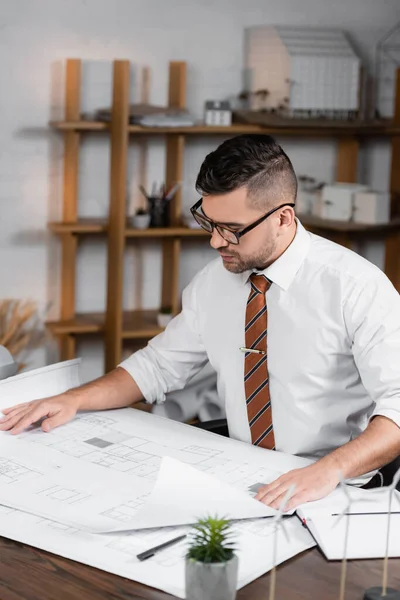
pixel 389 471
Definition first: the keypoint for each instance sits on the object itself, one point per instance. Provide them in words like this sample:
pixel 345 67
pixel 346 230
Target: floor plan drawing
pixel 13 472
pixel 62 494
pixel 102 468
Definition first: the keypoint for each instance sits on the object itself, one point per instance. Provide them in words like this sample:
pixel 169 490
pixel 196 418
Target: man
pixel 329 386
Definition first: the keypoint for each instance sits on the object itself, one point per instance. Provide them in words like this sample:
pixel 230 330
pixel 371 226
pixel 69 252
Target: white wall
pixel 37 35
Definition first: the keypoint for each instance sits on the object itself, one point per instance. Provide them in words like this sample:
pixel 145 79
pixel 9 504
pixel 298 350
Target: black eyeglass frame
pixel 237 234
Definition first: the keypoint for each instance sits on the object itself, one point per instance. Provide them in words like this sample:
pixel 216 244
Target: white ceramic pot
pixel 211 581
pixel 141 221
pixel 163 319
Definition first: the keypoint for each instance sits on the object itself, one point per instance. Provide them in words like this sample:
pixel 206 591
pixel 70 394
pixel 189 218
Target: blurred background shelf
pixel 118 326
pixel 137 324
pixel 96 226
pixel 79 125
pixel 316 224
pixel 321 129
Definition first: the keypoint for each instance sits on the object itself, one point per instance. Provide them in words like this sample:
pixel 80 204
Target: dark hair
pixel 255 161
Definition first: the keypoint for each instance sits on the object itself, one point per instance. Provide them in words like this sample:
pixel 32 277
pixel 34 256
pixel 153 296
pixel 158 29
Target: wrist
pixel 332 465
pixel 74 398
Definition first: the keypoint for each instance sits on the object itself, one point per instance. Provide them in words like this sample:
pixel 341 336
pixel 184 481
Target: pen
pixel 253 350
pixel 350 514
pixel 172 191
pixel 152 551
pixel 141 188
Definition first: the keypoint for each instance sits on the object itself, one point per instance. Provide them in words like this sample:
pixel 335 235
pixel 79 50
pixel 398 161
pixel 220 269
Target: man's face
pixel 257 248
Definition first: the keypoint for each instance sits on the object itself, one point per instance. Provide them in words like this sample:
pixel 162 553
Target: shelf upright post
pixel 70 202
pixel 346 172
pixel 173 173
pixel 117 214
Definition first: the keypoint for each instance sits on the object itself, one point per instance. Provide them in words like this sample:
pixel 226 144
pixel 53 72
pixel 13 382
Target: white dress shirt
pixel 333 345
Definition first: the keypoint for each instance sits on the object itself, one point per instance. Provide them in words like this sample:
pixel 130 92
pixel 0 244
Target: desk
pixel 30 574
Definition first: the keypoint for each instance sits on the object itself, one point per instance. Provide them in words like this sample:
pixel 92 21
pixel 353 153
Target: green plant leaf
pixel 211 540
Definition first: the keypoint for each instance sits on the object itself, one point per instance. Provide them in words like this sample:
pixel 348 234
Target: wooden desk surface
pixel 30 574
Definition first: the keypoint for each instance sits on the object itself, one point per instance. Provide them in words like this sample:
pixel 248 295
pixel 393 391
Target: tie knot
pixel 260 282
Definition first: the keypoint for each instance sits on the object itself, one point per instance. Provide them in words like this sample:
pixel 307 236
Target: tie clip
pixel 253 350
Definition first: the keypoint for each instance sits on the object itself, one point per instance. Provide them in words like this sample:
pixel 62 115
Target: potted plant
pixel 164 316
pixel 141 220
pixel 211 566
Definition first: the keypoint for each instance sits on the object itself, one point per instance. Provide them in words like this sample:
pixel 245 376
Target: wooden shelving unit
pixel 298 130
pixel 115 324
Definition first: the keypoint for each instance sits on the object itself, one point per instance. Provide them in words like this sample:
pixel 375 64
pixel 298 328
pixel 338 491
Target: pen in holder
pixel 159 211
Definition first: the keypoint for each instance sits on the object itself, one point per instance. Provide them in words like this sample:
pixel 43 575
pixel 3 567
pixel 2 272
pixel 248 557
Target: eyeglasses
pixel 225 232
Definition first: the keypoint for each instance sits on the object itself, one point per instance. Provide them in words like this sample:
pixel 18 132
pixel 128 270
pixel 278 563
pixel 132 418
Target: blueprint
pixel 98 472
pixel 116 553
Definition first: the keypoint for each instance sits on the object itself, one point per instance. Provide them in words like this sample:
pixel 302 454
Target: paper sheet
pixel 40 383
pixel 366 538
pixel 98 471
pixel 367 531
pixel 120 452
pixel 182 494
pixel 80 496
pixel 116 552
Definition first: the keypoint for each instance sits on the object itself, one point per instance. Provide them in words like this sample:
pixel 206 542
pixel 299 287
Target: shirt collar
pixel 284 269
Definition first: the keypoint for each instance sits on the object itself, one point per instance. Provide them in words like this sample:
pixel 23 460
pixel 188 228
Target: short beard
pixel 259 260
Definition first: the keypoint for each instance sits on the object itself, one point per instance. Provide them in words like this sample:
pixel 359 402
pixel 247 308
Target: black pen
pixel 349 514
pixel 152 551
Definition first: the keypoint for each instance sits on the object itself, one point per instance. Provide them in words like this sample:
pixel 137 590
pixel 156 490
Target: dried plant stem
pixel 19 326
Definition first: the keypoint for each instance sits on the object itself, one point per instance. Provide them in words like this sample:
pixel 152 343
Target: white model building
pixel 316 70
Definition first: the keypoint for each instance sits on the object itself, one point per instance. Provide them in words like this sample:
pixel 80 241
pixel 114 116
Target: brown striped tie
pixel 256 380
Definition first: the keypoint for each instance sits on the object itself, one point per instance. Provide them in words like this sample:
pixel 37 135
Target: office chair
pixel 220 427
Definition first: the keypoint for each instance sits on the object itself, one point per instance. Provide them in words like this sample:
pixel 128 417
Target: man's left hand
pixel 310 483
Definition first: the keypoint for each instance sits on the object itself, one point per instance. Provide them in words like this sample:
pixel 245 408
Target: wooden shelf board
pixel 305 130
pixel 165 232
pixel 140 324
pixel 93 226
pixel 137 324
pixel 80 125
pixel 82 323
pixel 86 225
pixel 315 223
pixel 96 226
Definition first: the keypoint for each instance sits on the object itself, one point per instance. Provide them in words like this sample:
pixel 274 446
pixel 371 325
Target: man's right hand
pixel 54 411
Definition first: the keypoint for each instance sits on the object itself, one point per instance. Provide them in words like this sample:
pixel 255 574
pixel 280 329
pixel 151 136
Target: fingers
pixel 274 499
pixel 269 488
pixel 13 413
pixel 58 419
pixel 10 409
pixel 296 500
pixel 24 419
pixel 274 493
pixel 9 421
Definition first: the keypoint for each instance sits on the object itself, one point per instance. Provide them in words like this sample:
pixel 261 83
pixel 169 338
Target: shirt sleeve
pixel 372 315
pixel 174 356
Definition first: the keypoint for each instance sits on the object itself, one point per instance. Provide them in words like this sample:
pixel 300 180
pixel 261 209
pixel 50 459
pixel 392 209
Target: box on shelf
pixel 337 201
pixel 218 113
pixel 371 207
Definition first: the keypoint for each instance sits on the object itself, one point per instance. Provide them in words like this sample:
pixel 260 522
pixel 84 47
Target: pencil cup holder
pixel 159 212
